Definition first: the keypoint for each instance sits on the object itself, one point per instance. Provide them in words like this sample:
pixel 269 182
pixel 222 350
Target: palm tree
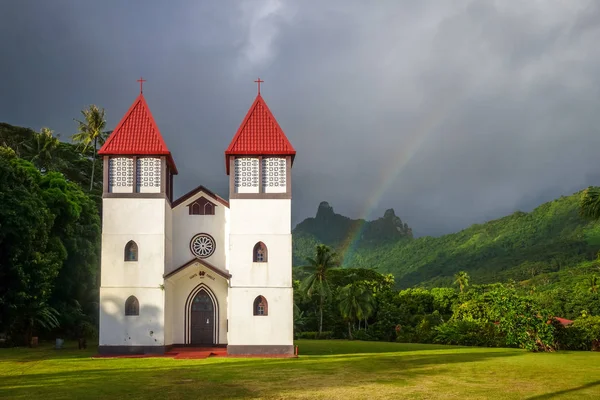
pixel 43 149
pixel 589 203
pixel 316 281
pixel 462 280
pixel 593 284
pixel 355 303
pixel 90 132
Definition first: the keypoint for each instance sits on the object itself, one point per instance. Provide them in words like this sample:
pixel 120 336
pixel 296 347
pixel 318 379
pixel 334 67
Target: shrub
pixel 363 335
pixel 469 333
pixel 315 335
pixel 583 334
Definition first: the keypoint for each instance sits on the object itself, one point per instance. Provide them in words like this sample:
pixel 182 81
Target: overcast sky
pixel 450 112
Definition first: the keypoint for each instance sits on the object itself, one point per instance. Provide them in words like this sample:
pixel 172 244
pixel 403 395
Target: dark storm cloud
pixel 449 112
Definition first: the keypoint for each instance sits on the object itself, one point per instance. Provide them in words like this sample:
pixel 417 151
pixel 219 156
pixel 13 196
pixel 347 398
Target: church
pixel 199 270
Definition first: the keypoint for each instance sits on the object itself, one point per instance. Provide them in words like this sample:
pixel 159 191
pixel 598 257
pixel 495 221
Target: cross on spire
pixel 259 82
pixel 141 81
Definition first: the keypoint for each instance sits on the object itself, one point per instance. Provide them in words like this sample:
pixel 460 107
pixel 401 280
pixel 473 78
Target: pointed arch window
pixel 259 254
pixel 131 251
pixel 202 206
pixel 261 307
pixel 132 306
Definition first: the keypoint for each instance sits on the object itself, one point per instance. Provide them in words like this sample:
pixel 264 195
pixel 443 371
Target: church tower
pixel 136 234
pixel 260 304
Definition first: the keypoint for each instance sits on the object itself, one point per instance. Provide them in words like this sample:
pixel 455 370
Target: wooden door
pixel 202 321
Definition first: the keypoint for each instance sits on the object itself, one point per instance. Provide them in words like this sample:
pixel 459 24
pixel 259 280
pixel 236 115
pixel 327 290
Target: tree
pixel 462 280
pixel 30 257
pixel 90 132
pixel 593 284
pixel 49 248
pixel 44 149
pixel 589 203
pixel 355 303
pixel 316 281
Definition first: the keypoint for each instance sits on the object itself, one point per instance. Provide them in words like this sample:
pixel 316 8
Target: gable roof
pixel 259 134
pixel 195 191
pixel 137 134
pixel 204 263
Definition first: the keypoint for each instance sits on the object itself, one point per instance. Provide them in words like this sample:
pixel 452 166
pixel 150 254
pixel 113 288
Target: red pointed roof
pixel 259 134
pixel 137 134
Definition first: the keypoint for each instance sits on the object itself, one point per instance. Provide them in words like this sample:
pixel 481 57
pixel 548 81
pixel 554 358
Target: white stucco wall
pixel 117 329
pixel 140 220
pixel 277 271
pixel 186 226
pixel 276 328
pixel 143 221
pixel 260 216
pixel 178 289
pixel 268 221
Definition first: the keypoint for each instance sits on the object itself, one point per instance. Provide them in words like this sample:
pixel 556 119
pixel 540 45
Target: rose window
pixel 202 245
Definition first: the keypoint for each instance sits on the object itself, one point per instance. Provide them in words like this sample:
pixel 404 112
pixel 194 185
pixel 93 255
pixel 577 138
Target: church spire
pixel 137 134
pixel 259 134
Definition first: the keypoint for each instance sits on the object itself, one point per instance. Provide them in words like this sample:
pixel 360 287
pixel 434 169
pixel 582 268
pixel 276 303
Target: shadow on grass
pixel 561 392
pixel 339 346
pixel 226 378
pixel 46 351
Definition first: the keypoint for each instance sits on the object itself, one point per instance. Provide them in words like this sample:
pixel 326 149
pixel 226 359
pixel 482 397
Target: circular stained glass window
pixel 202 245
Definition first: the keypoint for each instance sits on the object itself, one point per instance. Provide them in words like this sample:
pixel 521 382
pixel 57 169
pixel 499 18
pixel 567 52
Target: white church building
pixel 199 270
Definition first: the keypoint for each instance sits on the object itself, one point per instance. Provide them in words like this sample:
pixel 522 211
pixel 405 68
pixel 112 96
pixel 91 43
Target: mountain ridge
pixel 518 246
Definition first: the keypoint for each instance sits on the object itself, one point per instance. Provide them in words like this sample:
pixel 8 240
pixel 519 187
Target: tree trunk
pixel 93 165
pixel 349 331
pixel 321 316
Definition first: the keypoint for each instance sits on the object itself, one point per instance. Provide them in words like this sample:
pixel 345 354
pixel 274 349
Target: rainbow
pixel 424 129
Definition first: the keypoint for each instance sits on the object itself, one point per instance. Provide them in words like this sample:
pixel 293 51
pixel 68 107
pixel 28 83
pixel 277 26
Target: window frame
pixel 260 301
pixel 260 246
pixel 132 307
pixel 127 250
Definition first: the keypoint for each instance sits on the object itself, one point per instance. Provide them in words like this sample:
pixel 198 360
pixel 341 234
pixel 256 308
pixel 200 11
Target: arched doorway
pixel 202 319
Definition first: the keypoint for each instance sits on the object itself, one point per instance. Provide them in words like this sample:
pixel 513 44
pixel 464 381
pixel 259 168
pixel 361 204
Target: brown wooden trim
pixel 231 177
pixel 260 172
pixel 261 350
pixel 170 185
pixel 105 174
pixel 163 175
pixel 135 175
pixel 135 196
pixel 208 265
pixel 261 196
pixel 288 175
pixel 195 191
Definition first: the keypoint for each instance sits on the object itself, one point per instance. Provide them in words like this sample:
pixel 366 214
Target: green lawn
pixel 325 369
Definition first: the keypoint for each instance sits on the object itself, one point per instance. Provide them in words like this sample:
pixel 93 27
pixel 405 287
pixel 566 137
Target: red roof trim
pixel 206 264
pixel 286 150
pixel 195 191
pixel 112 147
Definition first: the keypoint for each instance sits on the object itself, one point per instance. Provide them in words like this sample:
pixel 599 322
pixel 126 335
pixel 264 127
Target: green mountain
pixel 340 232
pixel 521 246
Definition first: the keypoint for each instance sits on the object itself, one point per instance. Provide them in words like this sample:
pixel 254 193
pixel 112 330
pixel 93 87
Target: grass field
pixel 325 369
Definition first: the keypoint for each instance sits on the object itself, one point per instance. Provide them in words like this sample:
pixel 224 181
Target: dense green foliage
pixel 363 304
pixel 520 247
pixel 49 237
